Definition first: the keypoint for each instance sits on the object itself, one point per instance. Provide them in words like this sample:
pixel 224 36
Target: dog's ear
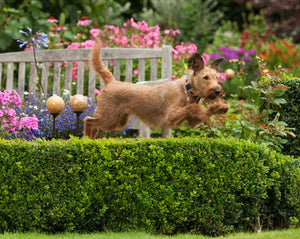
pixel 215 64
pixel 197 63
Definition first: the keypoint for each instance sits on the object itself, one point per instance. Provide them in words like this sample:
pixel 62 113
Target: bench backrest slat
pixel 21 78
pixel 128 76
pixel 141 70
pixel 10 75
pixel 153 73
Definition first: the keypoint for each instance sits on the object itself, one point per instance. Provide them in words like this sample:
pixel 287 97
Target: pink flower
pixel 84 21
pixel 74 45
pixel 149 43
pixel 3 122
pixel 11 112
pixel 97 92
pixel 88 44
pixel 29 122
pixel 53 34
pixel 52 20
pixel 74 73
pixel 205 58
pixel 62 42
pixel 95 32
pixel 14 122
pixel 34 122
pixel 133 23
pixel 191 49
pixel 58 28
pixel 143 26
pixel 172 32
pixel 136 72
pixel 177 31
pixel 222 77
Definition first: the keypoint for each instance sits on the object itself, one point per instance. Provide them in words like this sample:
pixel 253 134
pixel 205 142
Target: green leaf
pixel 280 101
pixel 5 40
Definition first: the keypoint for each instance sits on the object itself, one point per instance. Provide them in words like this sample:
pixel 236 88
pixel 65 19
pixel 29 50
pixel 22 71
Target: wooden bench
pixel 18 71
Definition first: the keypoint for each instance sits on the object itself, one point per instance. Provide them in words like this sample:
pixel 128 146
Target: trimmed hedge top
pixel 208 186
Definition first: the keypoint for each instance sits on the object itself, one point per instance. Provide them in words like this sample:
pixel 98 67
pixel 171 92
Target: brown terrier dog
pixel 162 106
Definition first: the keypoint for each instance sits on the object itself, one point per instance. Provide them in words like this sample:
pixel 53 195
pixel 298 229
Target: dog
pixel 163 106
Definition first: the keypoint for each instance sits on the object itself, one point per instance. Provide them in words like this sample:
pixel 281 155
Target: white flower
pixel 66 92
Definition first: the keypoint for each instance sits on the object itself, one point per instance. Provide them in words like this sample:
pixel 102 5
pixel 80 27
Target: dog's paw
pixel 223 109
pixel 218 109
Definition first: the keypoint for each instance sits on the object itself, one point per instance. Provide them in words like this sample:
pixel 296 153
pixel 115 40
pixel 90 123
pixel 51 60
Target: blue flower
pixel 36 40
pixel 23 43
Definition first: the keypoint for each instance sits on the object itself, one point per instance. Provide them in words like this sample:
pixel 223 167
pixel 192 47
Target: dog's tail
pixel 98 65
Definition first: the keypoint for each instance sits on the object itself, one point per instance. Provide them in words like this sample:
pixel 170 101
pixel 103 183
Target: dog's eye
pixel 205 77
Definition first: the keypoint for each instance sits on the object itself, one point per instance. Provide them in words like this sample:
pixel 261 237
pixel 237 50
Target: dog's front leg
pixel 193 113
pixel 206 113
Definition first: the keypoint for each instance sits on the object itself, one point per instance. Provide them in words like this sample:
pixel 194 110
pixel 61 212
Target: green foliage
pixel 197 20
pixel 290 113
pixel 269 98
pixel 269 116
pixel 15 16
pixel 166 186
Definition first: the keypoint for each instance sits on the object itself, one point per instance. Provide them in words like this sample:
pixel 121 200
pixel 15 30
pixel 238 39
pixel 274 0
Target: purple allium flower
pixel 251 52
pixel 214 55
pixel 222 48
pixel 240 51
pixel 247 58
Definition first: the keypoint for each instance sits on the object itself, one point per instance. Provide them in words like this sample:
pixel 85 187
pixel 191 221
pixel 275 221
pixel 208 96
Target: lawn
pixel 285 234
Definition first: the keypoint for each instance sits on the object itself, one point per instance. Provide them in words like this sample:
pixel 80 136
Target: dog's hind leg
pixel 91 125
pixel 89 129
pixel 123 121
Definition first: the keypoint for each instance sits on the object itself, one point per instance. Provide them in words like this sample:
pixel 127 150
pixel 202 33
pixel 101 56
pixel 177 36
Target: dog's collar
pixel 194 98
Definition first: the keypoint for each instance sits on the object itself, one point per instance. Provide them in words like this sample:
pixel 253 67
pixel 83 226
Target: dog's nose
pixel 223 110
pixel 217 91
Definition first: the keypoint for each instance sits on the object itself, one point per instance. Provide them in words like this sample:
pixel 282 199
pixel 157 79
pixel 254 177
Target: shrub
pixel 158 185
pixel 289 113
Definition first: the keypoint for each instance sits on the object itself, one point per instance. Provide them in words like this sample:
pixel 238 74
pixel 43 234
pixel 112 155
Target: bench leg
pixel 166 132
pixel 144 130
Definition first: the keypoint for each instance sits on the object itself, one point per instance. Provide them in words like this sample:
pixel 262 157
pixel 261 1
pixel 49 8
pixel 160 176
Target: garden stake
pixel 77 123
pixel 54 117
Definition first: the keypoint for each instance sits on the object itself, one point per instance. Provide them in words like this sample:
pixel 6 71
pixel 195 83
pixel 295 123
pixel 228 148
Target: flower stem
pixel 37 71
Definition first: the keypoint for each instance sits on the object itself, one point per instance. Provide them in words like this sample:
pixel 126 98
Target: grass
pixel 284 234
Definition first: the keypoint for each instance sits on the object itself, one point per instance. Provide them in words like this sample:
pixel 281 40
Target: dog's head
pixel 204 79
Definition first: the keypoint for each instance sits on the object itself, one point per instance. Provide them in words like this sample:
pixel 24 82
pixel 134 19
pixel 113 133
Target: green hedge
pixel 171 185
pixel 290 113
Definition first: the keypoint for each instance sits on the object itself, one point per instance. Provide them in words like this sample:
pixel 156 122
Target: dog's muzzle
pixel 223 110
pixel 217 91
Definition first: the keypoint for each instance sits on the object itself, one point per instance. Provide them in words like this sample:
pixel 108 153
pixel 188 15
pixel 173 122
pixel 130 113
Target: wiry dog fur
pixel 162 106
